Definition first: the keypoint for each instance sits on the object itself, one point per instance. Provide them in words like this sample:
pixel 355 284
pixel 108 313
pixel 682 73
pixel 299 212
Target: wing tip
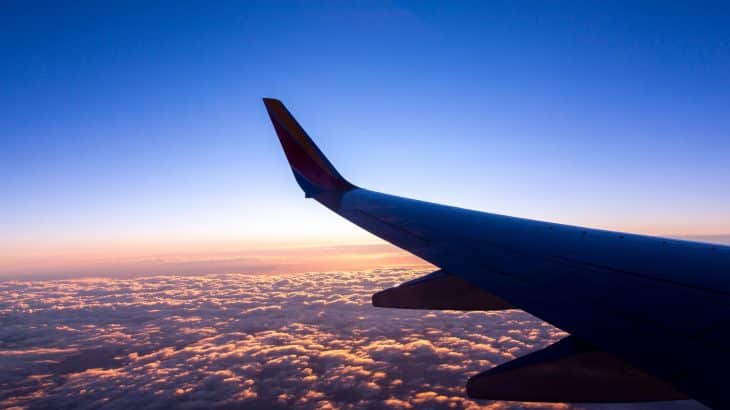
pixel 312 169
pixel 271 101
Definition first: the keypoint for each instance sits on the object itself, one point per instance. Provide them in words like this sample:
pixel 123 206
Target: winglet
pixel 312 170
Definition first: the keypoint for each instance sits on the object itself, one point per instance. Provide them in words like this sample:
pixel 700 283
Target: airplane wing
pixel 648 317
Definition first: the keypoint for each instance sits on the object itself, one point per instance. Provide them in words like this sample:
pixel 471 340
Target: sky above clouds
pixel 253 342
pixel 131 130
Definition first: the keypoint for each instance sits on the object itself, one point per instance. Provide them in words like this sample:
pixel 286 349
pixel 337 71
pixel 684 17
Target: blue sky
pixel 139 124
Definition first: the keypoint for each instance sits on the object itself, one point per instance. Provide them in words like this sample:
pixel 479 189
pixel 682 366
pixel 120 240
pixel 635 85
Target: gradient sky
pixel 137 129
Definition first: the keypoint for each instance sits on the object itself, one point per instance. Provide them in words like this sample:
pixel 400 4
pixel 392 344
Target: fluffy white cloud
pixel 245 341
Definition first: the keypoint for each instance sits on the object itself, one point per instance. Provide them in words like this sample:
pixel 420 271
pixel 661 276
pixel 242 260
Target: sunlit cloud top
pixel 309 341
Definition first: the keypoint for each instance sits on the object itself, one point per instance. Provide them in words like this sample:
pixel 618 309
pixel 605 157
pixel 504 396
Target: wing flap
pixel 439 291
pixel 569 371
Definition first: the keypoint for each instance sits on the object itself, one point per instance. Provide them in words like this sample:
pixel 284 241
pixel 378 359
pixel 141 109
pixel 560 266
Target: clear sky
pixel 137 129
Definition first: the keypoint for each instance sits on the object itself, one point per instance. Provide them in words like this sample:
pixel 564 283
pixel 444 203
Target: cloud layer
pixel 249 341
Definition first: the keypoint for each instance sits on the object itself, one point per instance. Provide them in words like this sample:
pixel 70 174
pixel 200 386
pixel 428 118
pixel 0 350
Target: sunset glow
pixel 197 260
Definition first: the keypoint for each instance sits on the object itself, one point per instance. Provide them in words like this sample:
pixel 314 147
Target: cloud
pixel 310 341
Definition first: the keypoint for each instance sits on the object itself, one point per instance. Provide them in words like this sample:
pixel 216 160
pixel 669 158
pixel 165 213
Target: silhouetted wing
pixel 658 308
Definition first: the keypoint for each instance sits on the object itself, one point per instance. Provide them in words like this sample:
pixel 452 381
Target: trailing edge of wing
pixel 312 170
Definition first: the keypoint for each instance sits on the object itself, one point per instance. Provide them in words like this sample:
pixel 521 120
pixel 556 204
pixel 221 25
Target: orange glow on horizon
pixel 126 258
pixel 200 258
